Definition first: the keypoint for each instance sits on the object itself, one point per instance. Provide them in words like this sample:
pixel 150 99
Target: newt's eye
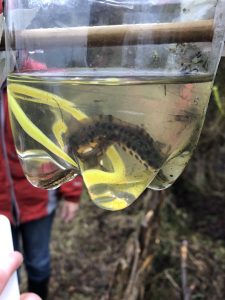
pixel 94 137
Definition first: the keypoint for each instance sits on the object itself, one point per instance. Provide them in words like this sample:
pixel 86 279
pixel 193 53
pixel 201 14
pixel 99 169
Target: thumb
pixel 29 296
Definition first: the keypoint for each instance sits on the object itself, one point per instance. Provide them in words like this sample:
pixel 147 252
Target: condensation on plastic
pixel 162 59
pixel 7 58
pixel 219 35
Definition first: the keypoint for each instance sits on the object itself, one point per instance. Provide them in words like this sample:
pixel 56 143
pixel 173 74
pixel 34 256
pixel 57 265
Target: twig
pixel 172 281
pixel 133 274
pixel 184 254
pixel 146 263
pixel 112 35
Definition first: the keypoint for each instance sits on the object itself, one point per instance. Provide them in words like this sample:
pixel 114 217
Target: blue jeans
pixel 35 237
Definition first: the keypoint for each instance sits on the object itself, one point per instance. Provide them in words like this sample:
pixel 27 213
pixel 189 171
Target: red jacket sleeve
pixel 72 190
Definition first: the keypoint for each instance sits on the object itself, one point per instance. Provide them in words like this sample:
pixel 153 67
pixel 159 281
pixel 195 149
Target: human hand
pixel 69 211
pixel 10 265
pixel 29 296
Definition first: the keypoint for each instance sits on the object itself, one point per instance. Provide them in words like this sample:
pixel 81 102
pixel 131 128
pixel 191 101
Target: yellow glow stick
pixel 35 132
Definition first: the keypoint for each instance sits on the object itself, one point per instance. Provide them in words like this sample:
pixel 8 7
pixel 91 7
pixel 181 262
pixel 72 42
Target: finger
pixel 29 296
pixel 70 215
pixel 10 264
pixel 63 212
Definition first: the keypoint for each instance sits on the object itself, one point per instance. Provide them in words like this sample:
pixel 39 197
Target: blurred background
pixel 167 245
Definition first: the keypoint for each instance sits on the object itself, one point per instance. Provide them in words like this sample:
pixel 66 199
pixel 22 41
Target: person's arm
pixel 11 264
pixel 71 193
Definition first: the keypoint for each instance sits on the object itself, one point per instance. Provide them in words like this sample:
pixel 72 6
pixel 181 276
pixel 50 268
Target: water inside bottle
pixel 123 133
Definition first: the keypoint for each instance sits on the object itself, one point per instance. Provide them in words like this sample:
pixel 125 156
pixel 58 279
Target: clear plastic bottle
pixel 115 91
